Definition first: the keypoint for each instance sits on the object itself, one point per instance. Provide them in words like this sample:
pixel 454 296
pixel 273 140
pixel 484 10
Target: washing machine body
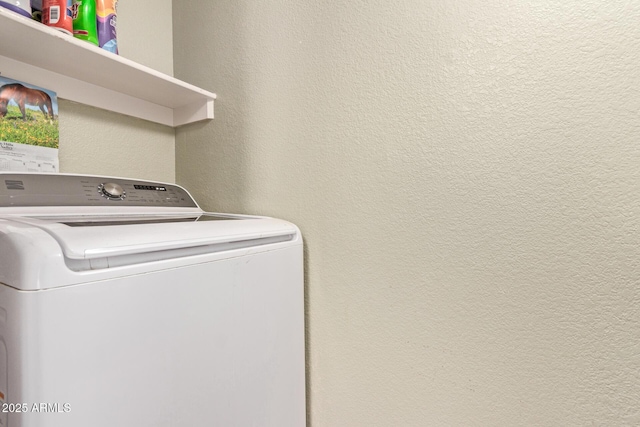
pixel 123 303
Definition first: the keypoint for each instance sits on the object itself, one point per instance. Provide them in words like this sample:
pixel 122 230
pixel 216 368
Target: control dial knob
pixel 111 191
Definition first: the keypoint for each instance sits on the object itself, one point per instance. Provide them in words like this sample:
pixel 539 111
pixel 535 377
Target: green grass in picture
pixel 35 130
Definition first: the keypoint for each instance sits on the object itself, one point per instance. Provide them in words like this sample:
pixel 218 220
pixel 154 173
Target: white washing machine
pixel 123 304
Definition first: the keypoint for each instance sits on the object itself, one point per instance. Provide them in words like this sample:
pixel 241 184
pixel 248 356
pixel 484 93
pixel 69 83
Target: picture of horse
pixel 28 114
pixel 22 96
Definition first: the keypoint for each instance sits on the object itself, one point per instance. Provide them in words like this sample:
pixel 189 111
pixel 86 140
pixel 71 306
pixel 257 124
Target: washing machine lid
pixel 61 230
pixel 105 221
pixel 91 237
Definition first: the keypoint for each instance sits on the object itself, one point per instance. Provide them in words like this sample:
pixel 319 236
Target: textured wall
pixel 466 177
pixel 99 142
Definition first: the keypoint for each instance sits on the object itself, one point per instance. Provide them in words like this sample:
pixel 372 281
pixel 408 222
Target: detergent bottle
pixel 57 14
pixel 84 20
pixel 106 11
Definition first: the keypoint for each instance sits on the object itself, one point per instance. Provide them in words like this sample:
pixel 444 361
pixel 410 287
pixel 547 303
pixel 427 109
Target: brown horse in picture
pixel 22 95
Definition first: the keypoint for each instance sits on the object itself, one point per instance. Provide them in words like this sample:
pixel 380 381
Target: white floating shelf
pixel 81 72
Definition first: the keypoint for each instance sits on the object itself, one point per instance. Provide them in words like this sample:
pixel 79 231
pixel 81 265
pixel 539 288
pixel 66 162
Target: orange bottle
pixel 57 14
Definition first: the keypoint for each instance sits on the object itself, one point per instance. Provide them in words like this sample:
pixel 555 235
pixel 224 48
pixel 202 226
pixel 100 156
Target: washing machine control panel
pixel 112 191
pixel 17 189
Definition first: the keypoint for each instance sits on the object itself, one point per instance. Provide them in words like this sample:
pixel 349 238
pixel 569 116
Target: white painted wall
pixel 99 142
pixel 466 176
